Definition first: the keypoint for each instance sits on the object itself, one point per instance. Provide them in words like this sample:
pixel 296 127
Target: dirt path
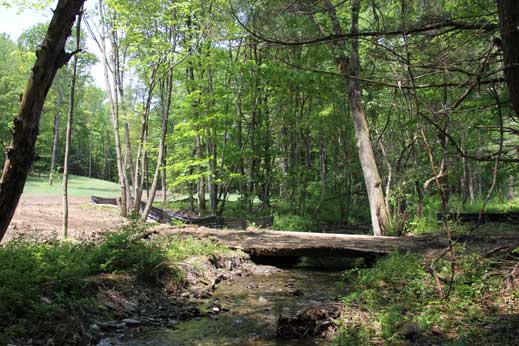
pixel 40 217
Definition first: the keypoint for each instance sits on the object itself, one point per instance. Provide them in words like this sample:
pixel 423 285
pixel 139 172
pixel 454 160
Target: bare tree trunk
pixel 166 99
pixel 140 161
pixel 147 174
pixel 467 181
pixel 511 187
pixel 350 67
pixel 128 156
pixel 322 163
pixel 68 136
pixel 90 155
pixel 389 178
pixel 509 23
pixel 470 183
pixel 163 176
pixel 201 181
pixel 114 110
pixel 213 189
pixel 55 137
pixel 20 152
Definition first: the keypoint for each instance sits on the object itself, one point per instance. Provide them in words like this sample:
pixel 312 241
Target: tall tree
pixel 68 136
pixel 509 27
pixel 20 153
pixel 350 71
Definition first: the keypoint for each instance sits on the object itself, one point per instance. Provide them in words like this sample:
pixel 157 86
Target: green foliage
pixel 179 248
pixel 293 223
pixel 401 289
pixel 42 282
pixel 247 122
pixel 120 254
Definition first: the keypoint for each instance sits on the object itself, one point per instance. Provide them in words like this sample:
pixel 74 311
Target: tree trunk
pixel 128 157
pixel 511 187
pixel 509 26
pixel 322 163
pixel 68 136
pixel 20 153
pixel 213 188
pixel 470 182
pixel 140 161
pixel 201 181
pixel 55 137
pixel 351 67
pixel 114 112
pixel 151 191
pixel 166 99
pixel 163 176
pixel 90 154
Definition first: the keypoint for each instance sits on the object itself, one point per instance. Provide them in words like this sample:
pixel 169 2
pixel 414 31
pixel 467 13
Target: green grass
pixel 77 187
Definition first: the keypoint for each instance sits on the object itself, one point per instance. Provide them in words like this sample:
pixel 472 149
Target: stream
pixel 244 311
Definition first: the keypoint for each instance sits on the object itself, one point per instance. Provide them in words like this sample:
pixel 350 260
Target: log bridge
pixel 281 244
pixel 299 244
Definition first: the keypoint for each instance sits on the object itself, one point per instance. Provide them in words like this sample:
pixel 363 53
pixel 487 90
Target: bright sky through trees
pixel 15 21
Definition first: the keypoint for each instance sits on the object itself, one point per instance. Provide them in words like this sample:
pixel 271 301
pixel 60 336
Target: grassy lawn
pixel 77 187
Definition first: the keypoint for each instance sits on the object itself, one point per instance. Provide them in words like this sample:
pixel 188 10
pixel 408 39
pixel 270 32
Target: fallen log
pixel 258 243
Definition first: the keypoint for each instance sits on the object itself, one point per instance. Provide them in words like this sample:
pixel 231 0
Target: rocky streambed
pixel 232 301
pixel 225 300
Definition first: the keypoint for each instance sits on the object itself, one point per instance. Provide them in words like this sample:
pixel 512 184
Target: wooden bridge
pixel 297 244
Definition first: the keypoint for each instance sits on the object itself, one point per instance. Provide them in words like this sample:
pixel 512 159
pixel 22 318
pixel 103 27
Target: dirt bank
pixel 41 217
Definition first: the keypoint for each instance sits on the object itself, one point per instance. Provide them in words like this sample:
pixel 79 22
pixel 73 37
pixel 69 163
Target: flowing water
pixel 244 311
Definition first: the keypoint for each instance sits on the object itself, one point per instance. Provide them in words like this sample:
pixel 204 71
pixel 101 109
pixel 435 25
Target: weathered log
pixel 299 244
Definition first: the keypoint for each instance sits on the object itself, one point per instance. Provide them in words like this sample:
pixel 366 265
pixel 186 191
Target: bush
pixel 42 284
pixel 119 254
pixel 179 248
pixel 293 223
pixel 400 289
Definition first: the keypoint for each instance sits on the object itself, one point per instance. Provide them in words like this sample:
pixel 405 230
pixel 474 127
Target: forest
pixel 177 172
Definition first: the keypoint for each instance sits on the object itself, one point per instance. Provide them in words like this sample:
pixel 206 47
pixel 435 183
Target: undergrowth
pixel 401 290
pixel 44 285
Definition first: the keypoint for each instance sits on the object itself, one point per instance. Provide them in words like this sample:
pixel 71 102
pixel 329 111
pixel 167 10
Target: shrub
pixel 292 223
pixel 400 289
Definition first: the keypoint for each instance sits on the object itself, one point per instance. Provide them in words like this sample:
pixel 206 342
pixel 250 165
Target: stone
pixel 104 342
pixel 298 293
pixel 409 330
pixel 131 321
